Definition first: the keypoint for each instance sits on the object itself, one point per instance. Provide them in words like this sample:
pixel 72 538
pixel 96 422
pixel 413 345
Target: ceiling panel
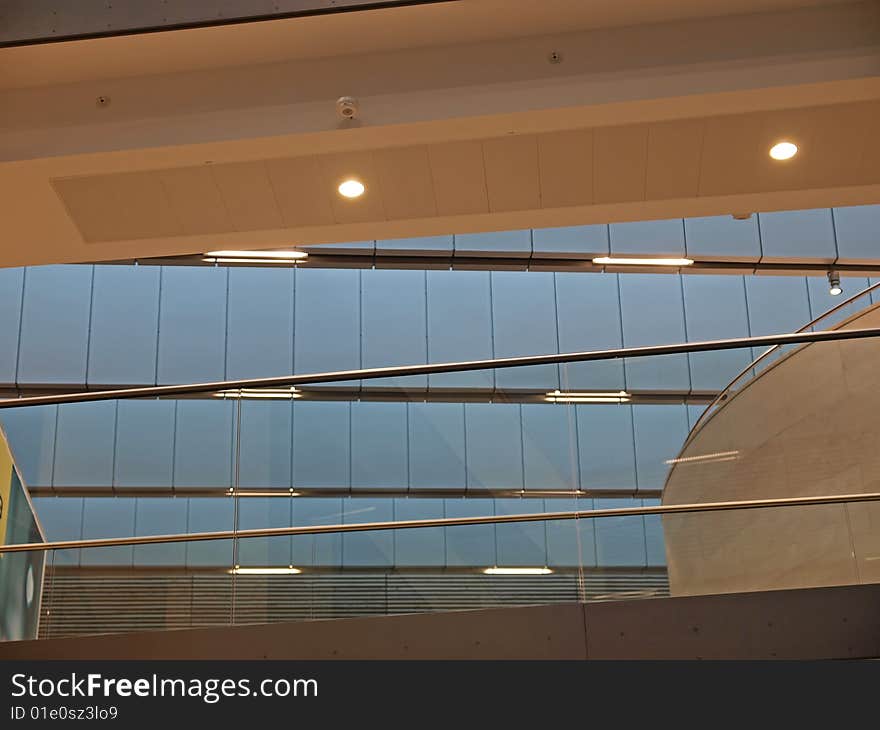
pixel 247 194
pixel 301 198
pixel 837 144
pixel 459 178
pixel 405 178
pixel 565 161
pixel 674 151
pixel 512 179
pixel 729 156
pixel 620 157
pixel 195 200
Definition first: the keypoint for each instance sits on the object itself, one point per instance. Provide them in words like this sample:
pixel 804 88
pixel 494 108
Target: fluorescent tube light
pixel 260 393
pixel 290 255
pixel 289 570
pixel 517 571
pixel 558 396
pixel 618 261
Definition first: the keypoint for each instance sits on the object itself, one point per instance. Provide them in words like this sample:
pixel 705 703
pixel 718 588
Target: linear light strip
pixel 634 261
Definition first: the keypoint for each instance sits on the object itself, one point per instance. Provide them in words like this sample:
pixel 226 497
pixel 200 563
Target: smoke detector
pixel 347 107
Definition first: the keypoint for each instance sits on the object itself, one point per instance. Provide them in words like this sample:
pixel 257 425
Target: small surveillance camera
pixel 347 107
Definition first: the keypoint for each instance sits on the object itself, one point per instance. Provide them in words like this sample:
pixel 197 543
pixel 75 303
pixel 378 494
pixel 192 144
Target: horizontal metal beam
pixel 451 260
pixel 336 492
pixel 448 367
pixel 445 522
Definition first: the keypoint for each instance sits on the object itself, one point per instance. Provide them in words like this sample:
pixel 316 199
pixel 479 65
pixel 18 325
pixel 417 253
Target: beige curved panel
pixel 808 425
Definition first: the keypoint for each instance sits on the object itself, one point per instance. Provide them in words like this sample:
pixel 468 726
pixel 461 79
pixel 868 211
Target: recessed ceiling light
pixel 259 254
pixel 259 393
pixel 783 150
pixel 618 261
pixel 351 188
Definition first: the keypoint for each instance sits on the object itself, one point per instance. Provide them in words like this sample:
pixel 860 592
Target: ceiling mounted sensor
pixel 347 108
pixel 784 150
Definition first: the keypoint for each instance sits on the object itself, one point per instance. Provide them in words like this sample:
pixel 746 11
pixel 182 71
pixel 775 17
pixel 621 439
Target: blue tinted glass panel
pixel 806 235
pixel 192 326
pixel 84 444
pixel 321 444
pixel 653 315
pixel 55 323
pixel 658 238
pixel 494 446
pixel 374 548
pixel 62 519
pixel 722 237
pixel 144 443
pixel 460 325
pixel 327 320
pixel 266 437
pixel 470 545
pixel 317 550
pixel 10 314
pixel 605 443
pixel 378 445
pixel 524 317
pixel 394 324
pixel 436 446
pixel 261 512
pixel 856 229
pixel 422 546
pixel 210 514
pixel 160 516
pixel 521 544
pixel 495 243
pixel 571 241
pixel 549 446
pixel 565 547
pixel 125 321
pixel 203 444
pixel 660 432
pixel 260 327
pixel 716 309
pixel 589 319
pixel 107 517
pixel 620 541
pixel 31 436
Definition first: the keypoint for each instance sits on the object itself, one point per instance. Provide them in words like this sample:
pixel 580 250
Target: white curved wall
pixel 809 425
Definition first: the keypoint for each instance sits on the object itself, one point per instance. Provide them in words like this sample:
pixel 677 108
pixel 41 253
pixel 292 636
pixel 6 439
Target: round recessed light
pixel 351 188
pixel 783 150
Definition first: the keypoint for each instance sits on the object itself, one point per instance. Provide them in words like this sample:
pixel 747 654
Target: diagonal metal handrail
pixel 723 397
pixel 668 509
pixel 160 391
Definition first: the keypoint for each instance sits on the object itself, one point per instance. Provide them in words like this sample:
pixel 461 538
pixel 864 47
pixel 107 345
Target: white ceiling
pixel 657 121
pixel 346 34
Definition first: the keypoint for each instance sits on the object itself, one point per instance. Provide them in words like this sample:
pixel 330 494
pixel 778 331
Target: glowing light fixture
pixel 289 570
pixel 260 393
pixel 351 188
pixel 517 571
pixel 559 396
pixel 783 150
pixel 627 261
pixel 834 288
pixel 280 255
